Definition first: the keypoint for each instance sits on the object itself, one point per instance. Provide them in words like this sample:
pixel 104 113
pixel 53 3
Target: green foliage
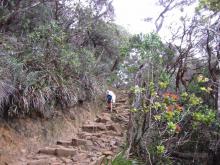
pixel 143 49
pixel 194 100
pixel 148 46
pixel 171 126
pixel 211 4
pixel 51 54
pixel 119 159
pixel 205 115
pixel 112 78
pixel 133 110
pixel 173 116
pixel 160 149
pixel 163 85
pixel 137 89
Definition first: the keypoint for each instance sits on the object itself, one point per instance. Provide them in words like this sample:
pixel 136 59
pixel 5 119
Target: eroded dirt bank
pixel 18 137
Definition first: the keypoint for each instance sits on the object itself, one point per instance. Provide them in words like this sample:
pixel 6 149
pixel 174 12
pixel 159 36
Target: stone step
pixel 119 118
pixel 122 106
pixel 74 142
pixel 117 111
pixel 104 114
pixel 88 135
pixel 101 127
pixel 117 104
pixel 64 143
pixel 93 127
pixel 83 163
pixel 77 142
pixel 66 161
pixel 42 157
pixel 112 133
pixel 114 127
pixel 38 162
pixel 65 152
pixel 84 135
pixel 47 151
pixel 97 135
pixel 121 100
pixel 58 151
pixel 103 118
pixel 80 156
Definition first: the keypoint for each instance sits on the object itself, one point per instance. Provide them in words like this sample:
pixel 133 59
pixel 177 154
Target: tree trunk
pixel 218 100
pixel 138 121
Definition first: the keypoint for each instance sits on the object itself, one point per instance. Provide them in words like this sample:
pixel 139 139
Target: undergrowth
pixel 120 159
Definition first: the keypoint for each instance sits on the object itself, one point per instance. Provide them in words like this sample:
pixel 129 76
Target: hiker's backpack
pixel 109 98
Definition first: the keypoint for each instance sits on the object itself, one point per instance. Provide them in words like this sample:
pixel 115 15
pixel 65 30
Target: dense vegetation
pixel 56 53
pixel 175 115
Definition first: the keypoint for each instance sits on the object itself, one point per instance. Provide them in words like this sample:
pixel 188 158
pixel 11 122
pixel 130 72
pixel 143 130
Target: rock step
pixel 121 100
pixel 80 156
pixel 103 118
pixel 120 119
pixel 65 152
pixel 93 127
pixel 114 127
pixel 122 106
pixel 114 134
pixel 97 136
pixel 89 135
pixel 117 104
pixel 120 111
pixel 64 143
pixel 51 161
pixel 38 162
pixel 75 142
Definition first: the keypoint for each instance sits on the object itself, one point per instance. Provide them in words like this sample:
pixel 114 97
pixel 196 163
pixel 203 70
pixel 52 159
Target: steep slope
pixel 95 141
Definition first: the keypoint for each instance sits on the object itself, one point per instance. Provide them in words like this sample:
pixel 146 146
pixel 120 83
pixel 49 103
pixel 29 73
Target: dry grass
pixel 43 101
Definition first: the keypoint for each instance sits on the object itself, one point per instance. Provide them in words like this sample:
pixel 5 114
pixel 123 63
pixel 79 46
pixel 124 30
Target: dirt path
pixel 96 140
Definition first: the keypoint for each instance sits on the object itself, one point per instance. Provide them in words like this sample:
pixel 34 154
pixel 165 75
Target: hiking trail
pixel 96 140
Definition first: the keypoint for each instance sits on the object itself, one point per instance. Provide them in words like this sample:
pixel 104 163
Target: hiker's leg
pixel 111 106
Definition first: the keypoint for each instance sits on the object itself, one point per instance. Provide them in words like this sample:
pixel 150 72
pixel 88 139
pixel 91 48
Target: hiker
pixel 110 97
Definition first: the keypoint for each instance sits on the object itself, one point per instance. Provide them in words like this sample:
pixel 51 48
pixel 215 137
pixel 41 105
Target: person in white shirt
pixel 111 98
